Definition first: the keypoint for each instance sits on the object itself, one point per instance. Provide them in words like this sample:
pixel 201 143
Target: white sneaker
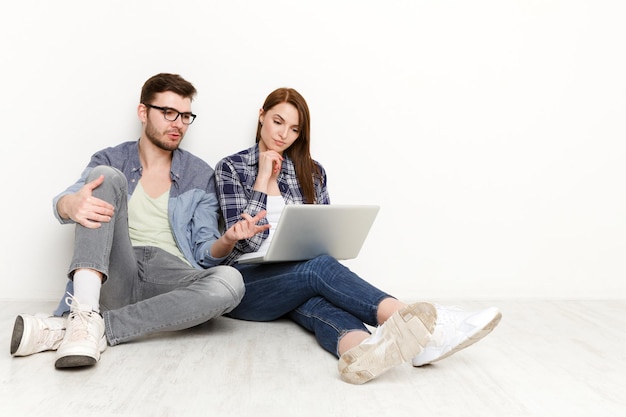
pixel 396 341
pixel 38 333
pixel 84 337
pixel 455 330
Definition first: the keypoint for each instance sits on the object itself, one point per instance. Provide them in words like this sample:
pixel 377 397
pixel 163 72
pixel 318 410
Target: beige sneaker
pixel 397 340
pixel 38 333
pixel 84 338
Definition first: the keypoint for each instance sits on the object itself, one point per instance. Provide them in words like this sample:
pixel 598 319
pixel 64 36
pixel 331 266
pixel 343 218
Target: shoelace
pixel 76 312
pixel 50 336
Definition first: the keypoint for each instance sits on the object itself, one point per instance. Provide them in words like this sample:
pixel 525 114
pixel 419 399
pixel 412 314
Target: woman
pixel 321 294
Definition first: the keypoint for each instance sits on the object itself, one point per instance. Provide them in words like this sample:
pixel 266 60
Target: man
pixel 147 244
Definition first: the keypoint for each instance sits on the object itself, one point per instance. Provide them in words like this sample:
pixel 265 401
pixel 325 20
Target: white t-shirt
pixel 275 205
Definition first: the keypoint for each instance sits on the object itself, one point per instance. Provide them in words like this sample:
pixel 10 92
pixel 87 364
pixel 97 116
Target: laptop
pixel 305 231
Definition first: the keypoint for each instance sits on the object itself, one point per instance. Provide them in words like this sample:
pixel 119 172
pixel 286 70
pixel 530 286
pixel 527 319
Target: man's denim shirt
pixel 193 208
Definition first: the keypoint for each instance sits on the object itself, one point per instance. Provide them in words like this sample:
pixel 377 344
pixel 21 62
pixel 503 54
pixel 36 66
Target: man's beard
pixel 153 136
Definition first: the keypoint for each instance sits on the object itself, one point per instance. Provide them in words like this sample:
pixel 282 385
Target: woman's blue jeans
pixel 321 295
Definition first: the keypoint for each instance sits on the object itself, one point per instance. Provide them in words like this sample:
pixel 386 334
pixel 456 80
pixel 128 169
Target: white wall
pixel 490 132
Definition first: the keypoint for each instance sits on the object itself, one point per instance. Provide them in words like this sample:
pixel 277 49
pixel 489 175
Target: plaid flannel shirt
pixel 235 176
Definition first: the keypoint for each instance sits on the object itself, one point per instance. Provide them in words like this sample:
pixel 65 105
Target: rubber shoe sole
pixel 403 336
pixel 81 357
pixel 18 334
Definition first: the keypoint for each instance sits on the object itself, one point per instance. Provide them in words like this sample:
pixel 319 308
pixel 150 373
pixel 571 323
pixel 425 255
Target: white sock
pixel 87 286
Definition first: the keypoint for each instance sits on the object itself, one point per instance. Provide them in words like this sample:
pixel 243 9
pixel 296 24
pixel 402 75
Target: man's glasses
pixel 172 114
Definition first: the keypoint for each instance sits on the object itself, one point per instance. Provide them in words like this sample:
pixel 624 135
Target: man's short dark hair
pixel 163 82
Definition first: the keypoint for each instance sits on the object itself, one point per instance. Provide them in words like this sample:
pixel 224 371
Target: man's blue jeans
pixel 321 295
pixel 147 289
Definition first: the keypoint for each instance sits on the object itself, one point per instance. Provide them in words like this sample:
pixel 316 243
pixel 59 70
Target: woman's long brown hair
pixel 299 151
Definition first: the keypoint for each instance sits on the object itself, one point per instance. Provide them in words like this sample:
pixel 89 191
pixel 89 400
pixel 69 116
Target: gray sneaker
pixel 38 333
pixel 84 338
pixel 395 341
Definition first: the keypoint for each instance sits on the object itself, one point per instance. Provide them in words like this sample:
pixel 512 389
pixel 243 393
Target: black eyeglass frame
pixel 166 109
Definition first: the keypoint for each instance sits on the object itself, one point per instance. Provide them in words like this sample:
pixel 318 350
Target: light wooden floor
pixel 547 358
